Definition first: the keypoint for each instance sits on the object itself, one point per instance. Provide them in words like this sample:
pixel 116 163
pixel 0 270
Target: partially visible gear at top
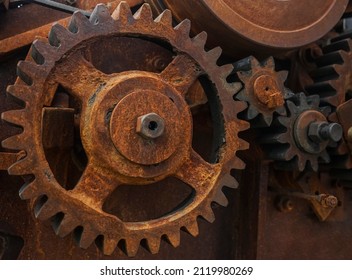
pixel 135 128
pixel 259 28
pixel 263 90
pixel 299 140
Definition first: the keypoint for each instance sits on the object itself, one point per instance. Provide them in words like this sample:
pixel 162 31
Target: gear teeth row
pixel 329 76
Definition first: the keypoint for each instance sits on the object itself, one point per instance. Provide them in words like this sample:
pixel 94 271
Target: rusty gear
pixel 263 90
pixel 332 81
pixel 289 140
pixel 332 78
pixel 111 107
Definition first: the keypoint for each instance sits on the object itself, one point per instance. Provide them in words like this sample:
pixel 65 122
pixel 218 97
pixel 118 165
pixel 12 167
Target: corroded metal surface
pixel 264 90
pixel 259 27
pixel 115 159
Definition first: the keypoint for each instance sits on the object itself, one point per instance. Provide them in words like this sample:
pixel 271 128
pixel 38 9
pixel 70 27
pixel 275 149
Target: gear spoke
pixel 95 185
pixel 198 173
pixel 82 79
pixel 181 73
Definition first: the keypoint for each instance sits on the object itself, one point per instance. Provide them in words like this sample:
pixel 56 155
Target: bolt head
pixel 150 126
pixel 314 131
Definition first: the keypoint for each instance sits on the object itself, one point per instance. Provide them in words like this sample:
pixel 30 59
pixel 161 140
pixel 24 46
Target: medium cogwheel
pixel 263 90
pixel 303 135
pixel 135 127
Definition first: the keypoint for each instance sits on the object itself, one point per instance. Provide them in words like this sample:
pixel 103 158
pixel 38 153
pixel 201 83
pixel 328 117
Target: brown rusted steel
pixel 8 159
pixel 14 42
pixel 261 28
pixel 110 107
pixel 263 89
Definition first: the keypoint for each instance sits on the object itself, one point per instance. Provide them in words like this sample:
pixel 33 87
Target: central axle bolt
pixel 324 131
pixel 150 126
pixel 267 91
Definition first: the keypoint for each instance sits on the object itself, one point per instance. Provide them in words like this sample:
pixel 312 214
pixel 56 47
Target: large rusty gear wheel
pixel 112 106
pixel 264 91
pixel 287 141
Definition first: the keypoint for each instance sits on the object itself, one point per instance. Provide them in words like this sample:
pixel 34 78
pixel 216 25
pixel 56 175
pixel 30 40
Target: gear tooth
pixel 13 142
pixel 184 27
pixel 78 22
pixel 29 190
pixel 153 244
pixel 226 70
pixel 242 95
pixel 45 210
pixel 58 34
pixel 39 50
pixel 109 245
pixel 239 163
pixel 281 111
pixel 314 165
pixel 13 116
pixel 19 91
pixel 86 238
pixel 123 14
pixel 165 18
pixel 251 113
pixel 21 167
pixel 283 75
pixel 221 199
pixel 291 107
pixel 234 87
pixel 144 13
pixel 26 70
pixel 243 76
pixel 100 14
pixel 229 181
pixel 173 238
pixel 200 39
pixel 241 106
pixel 270 63
pixel 254 63
pixel 132 247
pixel 325 157
pixel 208 215
pixel 267 120
pixel 191 228
pixel 301 164
pixel 214 54
pixel 65 226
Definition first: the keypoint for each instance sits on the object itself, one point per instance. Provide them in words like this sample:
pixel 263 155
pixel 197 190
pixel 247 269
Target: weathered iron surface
pixel 259 28
pixel 110 105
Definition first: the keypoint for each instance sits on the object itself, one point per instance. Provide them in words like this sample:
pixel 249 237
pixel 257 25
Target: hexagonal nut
pixel 314 131
pixel 150 126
